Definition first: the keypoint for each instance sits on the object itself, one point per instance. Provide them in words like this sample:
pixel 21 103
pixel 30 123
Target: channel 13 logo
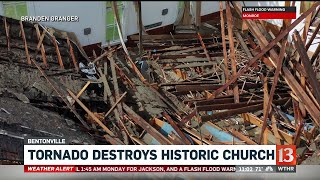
pixel 286 155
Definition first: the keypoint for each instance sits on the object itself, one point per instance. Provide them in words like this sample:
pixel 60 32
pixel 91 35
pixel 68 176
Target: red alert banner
pixel 268 15
pixel 124 168
pixel 268 12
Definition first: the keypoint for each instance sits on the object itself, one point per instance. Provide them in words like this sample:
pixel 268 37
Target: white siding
pixel 152 13
pixel 208 7
pixel 91 15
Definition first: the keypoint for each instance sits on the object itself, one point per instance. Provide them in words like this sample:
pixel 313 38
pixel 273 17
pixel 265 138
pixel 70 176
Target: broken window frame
pixel 121 8
pixel 15 4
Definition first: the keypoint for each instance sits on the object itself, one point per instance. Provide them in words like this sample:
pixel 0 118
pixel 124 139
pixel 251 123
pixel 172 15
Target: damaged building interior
pixel 224 81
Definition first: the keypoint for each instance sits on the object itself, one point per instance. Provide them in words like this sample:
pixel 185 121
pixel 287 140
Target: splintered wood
pixel 218 85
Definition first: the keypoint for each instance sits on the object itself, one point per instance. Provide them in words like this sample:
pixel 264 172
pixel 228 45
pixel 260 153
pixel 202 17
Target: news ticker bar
pixel 280 12
pixel 162 168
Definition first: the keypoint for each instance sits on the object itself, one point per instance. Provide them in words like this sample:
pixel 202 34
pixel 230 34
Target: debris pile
pixel 220 85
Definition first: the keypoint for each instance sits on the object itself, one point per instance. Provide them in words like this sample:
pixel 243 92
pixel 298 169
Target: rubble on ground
pixel 219 85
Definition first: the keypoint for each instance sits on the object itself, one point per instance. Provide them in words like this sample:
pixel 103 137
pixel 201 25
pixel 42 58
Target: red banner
pixel 268 15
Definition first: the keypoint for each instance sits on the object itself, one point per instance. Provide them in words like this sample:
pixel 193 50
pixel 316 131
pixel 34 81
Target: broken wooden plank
pixel 6 28
pixel 140 27
pixel 125 78
pixel 115 83
pixel 134 67
pixel 175 56
pixel 81 91
pixel 54 41
pixel 252 119
pixel 188 118
pixel 204 47
pixel 232 112
pixel 243 45
pixel 314 34
pixel 108 93
pixel 154 37
pixel 307 65
pixel 112 140
pixel 145 125
pixel 224 46
pixel 315 54
pixel 275 130
pixel 105 128
pixel 75 64
pixel 186 60
pixel 232 51
pixel 176 128
pixel 43 52
pixel 227 106
pixel 273 88
pixel 301 94
pixel 254 29
pixel 198 14
pixel 25 42
pixel 263 51
pixel 307 24
pixel 298 123
pixel 65 100
pixel 190 65
pixel 192 49
pixel 115 104
pixel 242 137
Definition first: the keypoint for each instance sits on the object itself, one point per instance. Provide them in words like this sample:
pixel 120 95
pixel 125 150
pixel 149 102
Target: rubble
pixel 218 85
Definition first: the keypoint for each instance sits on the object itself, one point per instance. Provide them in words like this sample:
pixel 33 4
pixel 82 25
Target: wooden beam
pixel 115 84
pixel 6 27
pixel 82 90
pixel 145 125
pixel 242 137
pixel 25 42
pixel 204 47
pixel 65 100
pixel 315 54
pixel 301 94
pixel 265 111
pixel 105 128
pixel 232 112
pixel 275 130
pixel 187 118
pixel 232 51
pixel 254 29
pixel 108 93
pixel 140 28
pixel 307 65
pixel 252 119
pixel 43 51
pixel 263 51
pixel 307 24
pixel 176 128
pixel 134 67
pixel 314 34
pixel 198 14
pixel 54 41
pixel 298 122
pixel 224 46
pixel 75 64
pixel 115 104
pixel 273 87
